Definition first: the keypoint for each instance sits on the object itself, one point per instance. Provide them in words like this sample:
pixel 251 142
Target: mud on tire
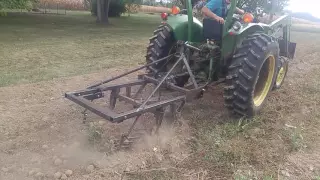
pixel 160 45
pixel 251 74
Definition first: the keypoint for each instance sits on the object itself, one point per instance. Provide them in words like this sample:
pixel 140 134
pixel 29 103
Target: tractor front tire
pixel 162 44
pixel 251 74
pixel 281 72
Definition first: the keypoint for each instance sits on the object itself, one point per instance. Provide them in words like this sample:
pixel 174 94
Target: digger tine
pixel 139 90
pixel 133 138
pixel 128 91
pixel 127 142
pixel 159 117
pixel 173 109
pixel 85 114
pixel 132 126
pixel 125 137
pixel 113 97
pixel 181 106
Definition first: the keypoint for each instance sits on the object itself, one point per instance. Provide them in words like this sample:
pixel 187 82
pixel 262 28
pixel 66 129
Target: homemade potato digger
pixel 185 57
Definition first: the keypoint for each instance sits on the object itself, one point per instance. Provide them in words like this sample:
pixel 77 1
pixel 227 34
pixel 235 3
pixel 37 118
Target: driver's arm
pixel 239 11
pixel 207 12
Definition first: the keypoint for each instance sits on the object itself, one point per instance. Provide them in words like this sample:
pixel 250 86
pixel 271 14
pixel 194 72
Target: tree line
pixel 102 9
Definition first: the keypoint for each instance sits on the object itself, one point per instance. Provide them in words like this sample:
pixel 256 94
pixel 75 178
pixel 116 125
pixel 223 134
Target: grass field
pixel 42 47
pixel 39 125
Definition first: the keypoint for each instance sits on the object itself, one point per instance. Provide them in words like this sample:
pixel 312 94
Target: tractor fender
pixel 250 29
pixel 179 26
pixel 233 41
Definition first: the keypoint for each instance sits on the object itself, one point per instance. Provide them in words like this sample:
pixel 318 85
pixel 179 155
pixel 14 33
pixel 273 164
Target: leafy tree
pixel 15 4
pixel 266 6
pixel 149 2
pixel 248 5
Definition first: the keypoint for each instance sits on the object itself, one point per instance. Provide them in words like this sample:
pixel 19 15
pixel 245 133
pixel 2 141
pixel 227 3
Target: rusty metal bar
pixel 160 83
pixel 122 85
pixel 190 72
pixel 148 108
pixel 101 111
pixel 105 88
pixel 140 90
pixel 129 100
pixel 84 92
pixel 170 85
pixel 129 72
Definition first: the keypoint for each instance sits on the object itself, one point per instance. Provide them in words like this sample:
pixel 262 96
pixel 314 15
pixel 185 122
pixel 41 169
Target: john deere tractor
pixel 185 57
pixel 250 58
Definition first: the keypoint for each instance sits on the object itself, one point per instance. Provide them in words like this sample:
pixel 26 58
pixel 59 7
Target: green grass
pixel 36 47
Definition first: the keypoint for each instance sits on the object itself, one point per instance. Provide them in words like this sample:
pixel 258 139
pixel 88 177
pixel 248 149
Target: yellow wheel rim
pixel 281 75
pixel 264 82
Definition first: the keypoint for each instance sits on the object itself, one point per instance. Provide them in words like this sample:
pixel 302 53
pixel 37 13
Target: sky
pixel 310 6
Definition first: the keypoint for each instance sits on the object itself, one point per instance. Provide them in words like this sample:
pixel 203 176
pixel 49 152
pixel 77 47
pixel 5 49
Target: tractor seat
pixel 212 30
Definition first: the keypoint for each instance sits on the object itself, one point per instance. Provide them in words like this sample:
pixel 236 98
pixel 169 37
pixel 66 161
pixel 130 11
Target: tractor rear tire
pixel 160 45
pixel 251 75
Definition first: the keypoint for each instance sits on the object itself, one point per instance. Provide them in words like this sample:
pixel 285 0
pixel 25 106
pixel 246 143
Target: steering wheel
pixel 237 17
pixel 183 11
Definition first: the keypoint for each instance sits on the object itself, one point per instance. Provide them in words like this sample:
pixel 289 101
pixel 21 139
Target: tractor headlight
pixel 237 26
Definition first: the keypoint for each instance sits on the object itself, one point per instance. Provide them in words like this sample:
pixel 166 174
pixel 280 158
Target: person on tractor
pixel 217 10
pixel 197 13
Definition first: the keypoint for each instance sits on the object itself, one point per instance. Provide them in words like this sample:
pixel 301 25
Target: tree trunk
pixel 102 11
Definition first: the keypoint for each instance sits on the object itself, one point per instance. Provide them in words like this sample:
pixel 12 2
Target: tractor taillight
pixel 175 10
pixel 248 18
pixel 164 16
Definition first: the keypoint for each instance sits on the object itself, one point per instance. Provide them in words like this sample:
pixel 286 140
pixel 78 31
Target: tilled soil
pixel 41 133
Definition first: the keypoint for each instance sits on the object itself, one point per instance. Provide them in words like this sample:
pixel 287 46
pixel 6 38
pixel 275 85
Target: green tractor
pixel 184 58
pixel 250 58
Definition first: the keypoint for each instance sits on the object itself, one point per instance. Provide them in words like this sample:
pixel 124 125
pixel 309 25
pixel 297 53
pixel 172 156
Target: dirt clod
pixel 102 122
pixel 285 173
pixel 311 168
pixel 63 176
pixel 68 172
pixel 143 165
pixel 39 175
pixel 90 168
pixel 57 175
pixel 45 146
pixel 57 162
pixel 5 169
pixel 31 173
pixel 75 144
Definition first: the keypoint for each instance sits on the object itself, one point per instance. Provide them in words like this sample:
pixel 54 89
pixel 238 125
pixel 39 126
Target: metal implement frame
pixel 85 97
